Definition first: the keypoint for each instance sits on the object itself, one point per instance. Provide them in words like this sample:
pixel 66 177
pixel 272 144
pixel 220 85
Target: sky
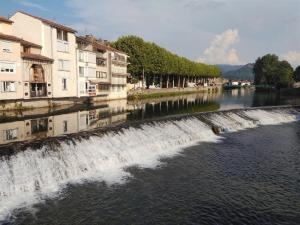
pixel 209 31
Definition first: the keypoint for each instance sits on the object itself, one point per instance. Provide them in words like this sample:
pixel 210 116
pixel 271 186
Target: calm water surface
pixel 171 171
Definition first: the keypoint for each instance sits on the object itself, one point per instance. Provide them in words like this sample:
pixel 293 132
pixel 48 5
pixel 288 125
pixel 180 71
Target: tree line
pixel 269 70
pixel 152 60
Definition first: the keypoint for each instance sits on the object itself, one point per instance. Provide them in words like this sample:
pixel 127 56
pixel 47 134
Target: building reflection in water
pixel 57 125
pixel 31 127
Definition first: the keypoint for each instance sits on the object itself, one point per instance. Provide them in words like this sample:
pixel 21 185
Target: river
pixel 154 162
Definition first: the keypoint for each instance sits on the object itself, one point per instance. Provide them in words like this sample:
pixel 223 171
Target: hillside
pixel 239 72
pixel 226 68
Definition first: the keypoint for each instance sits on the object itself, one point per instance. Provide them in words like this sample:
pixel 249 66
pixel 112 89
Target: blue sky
pixel 211 31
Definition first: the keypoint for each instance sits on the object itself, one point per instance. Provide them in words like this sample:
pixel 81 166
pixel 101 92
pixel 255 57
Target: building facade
pixel 108 80
pixel 25 73
pixel 48 63
pixel 57 42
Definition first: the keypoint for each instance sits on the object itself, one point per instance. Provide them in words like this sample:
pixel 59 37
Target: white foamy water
pixel 32 175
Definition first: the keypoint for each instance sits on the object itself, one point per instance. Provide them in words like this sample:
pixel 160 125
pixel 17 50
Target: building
pixel 25 73
pixel 48 65
pixel 58 43
pixel 108 80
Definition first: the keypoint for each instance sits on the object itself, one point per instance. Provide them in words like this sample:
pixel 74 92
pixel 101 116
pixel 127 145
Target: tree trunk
pixel 168 81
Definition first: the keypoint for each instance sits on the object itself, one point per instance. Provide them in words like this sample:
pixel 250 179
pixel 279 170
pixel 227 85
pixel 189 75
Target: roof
pixel 98 45
pixel 20 40
pixel 51 23
pixel 30 44
pixel 36 57
pixel 5 20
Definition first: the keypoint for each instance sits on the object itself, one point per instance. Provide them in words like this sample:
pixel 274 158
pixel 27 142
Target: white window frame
pixel 8 67
pixel 64 65
pixel 7 86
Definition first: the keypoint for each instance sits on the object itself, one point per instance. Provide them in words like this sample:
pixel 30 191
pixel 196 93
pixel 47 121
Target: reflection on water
pixel 43 123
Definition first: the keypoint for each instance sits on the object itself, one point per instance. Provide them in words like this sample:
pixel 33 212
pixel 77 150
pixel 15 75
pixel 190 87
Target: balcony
pixel 38 90
pixel 62 46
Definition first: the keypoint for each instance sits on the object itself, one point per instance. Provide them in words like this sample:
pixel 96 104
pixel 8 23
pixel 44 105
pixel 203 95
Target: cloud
pixel 292 57
pixel 220 51
pixel 31 5
pixel 204 4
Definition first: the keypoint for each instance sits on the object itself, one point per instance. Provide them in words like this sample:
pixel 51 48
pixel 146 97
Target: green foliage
pixel 156 60
pixel 297 74
pixel 269 70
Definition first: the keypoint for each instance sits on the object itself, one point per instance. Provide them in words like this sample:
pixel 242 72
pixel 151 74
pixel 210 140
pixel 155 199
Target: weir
pixel 33 172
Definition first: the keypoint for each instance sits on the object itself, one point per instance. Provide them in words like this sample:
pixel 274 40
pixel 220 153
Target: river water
pixel 142 163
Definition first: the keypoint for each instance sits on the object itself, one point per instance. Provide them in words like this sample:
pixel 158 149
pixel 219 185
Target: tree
pixel 269 70
pixel 157 61
pixel 284 75
pixel 297 74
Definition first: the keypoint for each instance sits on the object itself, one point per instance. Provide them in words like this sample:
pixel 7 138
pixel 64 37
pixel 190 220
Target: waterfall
pixel 29 176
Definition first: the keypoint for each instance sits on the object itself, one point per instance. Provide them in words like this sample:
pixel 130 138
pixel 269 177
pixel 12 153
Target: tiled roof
pixel 16 39
pixel 98 45
pixel 36 57
pixel 5 20
pixel 30 44
pixel 51 23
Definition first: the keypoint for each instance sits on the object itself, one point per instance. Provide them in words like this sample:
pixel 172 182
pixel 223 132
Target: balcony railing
pixel 38 94
pixel 62 46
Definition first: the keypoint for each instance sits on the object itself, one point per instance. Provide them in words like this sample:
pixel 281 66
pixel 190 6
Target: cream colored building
pixel 108 81
pixel 24 72
pixel 57 42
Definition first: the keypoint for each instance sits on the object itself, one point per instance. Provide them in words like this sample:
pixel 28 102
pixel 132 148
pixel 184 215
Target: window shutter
pixel 1 87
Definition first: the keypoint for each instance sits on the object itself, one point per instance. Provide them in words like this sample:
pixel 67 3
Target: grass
pixel 140 96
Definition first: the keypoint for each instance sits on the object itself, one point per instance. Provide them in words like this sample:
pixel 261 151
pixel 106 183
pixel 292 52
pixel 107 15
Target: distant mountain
pixel 226 68
pixel 239 72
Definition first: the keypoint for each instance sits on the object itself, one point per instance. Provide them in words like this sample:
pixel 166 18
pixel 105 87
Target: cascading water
pixel 29 176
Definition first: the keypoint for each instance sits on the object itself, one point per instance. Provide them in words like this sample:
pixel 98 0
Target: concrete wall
pixel 6 28
pixel 27 27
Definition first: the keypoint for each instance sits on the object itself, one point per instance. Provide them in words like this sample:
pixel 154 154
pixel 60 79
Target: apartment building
pixel 58 43
pixel 25 73
pixel 108 81
pixel 50 65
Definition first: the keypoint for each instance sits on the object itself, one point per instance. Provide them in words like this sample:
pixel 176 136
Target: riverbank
pixel 169 92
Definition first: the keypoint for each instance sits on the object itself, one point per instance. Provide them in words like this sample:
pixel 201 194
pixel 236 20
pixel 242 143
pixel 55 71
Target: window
pixel 7 67
pixel 26 49
pixel 81 71
pixel 100 62
pixel 11 134
pixel 102 87
pixel 7 86
pixel 65 126
pixel 81 56
pixel 64 65
pixel 64 84
pixel 62 35
pixel 6 46
pixel 100 74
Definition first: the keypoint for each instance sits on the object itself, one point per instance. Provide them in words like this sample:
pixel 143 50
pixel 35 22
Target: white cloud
pixel 292 57
pixel 32 5
pixel 220 51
